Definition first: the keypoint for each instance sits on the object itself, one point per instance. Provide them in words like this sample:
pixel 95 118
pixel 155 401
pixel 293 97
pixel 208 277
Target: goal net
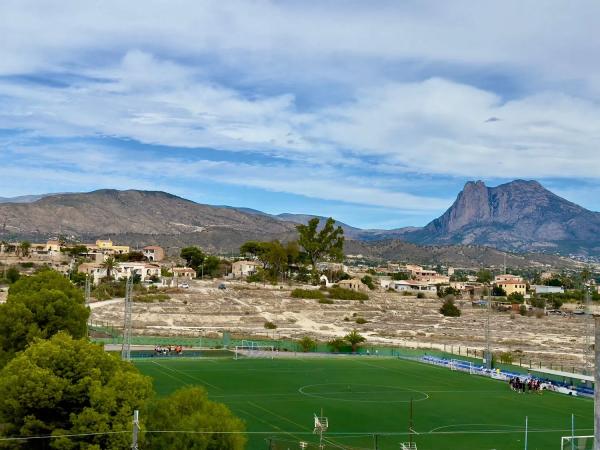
pixel 577 443
pixel 251 349
pixel 460 365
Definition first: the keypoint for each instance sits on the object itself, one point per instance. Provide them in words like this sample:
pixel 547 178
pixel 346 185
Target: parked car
pixel 222 286
pixel 184 286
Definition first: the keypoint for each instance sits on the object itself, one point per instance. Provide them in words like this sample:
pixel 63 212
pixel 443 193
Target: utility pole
pixel 136 430
pixel 88 289
pixel 597 383
pixel 127 325
pixel 488 333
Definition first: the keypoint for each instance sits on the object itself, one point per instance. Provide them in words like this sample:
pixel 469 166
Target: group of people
pixel 168 350
pixel 525 385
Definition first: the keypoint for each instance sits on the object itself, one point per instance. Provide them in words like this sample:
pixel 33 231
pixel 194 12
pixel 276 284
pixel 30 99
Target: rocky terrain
pixel 392 319
pixel 518 216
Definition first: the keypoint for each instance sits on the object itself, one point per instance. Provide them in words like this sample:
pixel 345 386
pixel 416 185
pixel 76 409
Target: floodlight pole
pixel 136 429
pixel 488 343
pixel 597 383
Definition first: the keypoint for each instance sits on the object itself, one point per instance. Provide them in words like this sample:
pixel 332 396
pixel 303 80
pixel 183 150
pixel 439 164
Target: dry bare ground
pixel 392 319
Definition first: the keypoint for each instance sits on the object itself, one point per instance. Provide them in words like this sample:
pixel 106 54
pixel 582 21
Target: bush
pixel 326 301
pixel 523 310
pixel 346 294
pixel 449 309
pixel 516 297
pixel 270 325
pixel 308 293
pixel 254 278
pixel 361 320
pixel 307 344
pixel 421 295
pixel 27 265
pixel 368 280
pixel 151 298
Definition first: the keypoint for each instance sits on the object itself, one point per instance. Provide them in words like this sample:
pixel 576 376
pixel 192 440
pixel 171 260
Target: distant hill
pixel 23 198
pixel 519 216
pixel 352 232
pixel 137 213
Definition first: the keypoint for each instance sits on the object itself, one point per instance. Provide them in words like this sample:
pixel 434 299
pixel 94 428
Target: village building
pixel 354 284
pixel 244 268
pixel 412 286
pixel 184 272
pixel 153 253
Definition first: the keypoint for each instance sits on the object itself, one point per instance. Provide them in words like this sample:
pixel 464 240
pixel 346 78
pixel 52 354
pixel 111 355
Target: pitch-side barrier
pixel 504 375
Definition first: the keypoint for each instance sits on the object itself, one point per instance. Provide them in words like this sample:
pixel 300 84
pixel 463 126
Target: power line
pixel 339 434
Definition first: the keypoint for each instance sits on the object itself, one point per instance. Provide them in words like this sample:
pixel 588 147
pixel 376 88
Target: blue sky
pixel 376 113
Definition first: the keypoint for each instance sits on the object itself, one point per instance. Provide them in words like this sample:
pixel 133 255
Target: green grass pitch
pixel 366 400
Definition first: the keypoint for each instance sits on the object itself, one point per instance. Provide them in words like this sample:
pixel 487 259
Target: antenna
pixel 126 348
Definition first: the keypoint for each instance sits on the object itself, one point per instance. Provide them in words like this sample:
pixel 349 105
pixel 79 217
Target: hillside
pixel 519 216
pixel 148 215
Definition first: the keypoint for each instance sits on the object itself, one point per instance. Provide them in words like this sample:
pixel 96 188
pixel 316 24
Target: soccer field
pixel 367 402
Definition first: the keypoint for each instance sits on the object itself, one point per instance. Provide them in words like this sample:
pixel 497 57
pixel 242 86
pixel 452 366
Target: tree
pixel 194 257
pixel 40 306
pixel 67 386
pixel 397 276
pixel 448 290
pixel 329 242
pixel 24 248
pixel 190 409
pixel 497 291
pixel 109 264
pixel 336 344
pixel 368 280
pixel 12 275
pixel 253 248
pixel 516 297
pixel 307 344
pixel 449 309
pixel 484 276
pixel 354 338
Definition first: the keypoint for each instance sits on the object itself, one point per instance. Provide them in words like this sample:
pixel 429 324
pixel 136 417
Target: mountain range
pixel 520 216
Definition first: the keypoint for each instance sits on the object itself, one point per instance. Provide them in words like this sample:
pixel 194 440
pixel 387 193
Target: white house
pixel 241 269
pixel 412 286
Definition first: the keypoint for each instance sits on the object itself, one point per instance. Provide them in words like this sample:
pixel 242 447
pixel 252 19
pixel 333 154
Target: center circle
pixel 363 393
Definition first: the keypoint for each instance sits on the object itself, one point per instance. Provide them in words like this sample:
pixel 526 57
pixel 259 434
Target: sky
pixel 375 113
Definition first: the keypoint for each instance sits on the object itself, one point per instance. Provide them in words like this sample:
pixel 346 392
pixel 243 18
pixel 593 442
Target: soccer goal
pixel 463 366
pixel 251 349
pixel 577 443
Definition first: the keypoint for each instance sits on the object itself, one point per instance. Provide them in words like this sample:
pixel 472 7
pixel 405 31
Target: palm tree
pixel 109 264
pixel 354 338
pixel 336 344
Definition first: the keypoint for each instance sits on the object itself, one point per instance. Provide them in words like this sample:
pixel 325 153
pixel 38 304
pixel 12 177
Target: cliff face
pixel 520 215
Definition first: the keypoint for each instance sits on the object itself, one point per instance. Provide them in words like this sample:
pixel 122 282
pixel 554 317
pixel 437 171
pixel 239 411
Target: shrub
pixel 346 294
pixel 151 298
pixel 516 297
pixel 361 320
pixel 449 309
pixel 307 344
pixel 308 293
pixel 421 295
pixel 27 265
pixel 506 358
pixel 326 301
pixel 368 280
pixel 254 278
pixel 523 310
pixel 270 325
